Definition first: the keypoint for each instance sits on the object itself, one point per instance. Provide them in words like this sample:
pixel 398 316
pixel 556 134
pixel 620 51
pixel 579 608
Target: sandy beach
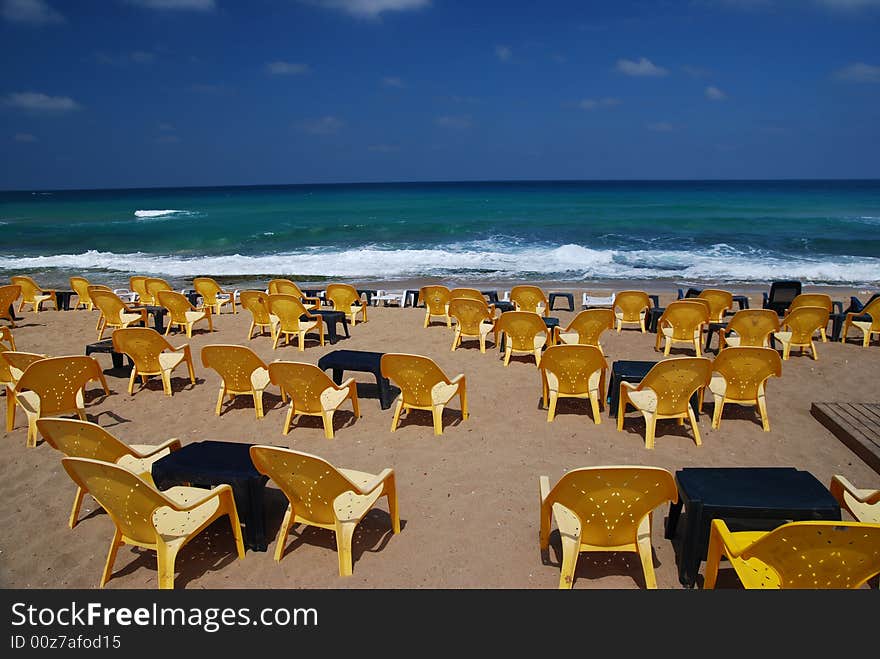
pixel 469 499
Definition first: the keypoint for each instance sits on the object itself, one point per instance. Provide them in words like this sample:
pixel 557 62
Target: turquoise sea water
pixel 822 232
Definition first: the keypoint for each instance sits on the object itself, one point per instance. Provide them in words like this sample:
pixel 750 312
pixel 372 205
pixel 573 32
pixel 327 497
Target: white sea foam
pixel 149 214
pixel 471 261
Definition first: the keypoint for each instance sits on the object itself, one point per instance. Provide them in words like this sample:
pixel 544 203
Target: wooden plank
pixel 839 418
pixel 871 412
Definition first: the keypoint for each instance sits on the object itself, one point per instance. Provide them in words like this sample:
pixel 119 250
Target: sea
pixel 823 232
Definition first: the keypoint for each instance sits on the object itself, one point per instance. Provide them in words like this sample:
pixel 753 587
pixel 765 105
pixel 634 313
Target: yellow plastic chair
pixel 52 386
pixel 345 298
pixel 868 328
pixel 741 378
pixel 798 328
pixel 587 327
pixel 325 496
pixel 80 286
pixel 525 333
pixel 152 355
pixel 182 313
pixel 605 509
pixel 813 300
pixel 630 308
pixel 469 293
pixel 32 294
pixel 257 302
pixel 312 393
pixel 7 341
pixel 213 295
pixel 288 287
pixel 145 517
pixel 682 322
pixel 12 365
pixel 115 313
pixel 719 302
pixel 8 295
pixel 138 284
pixel 474 319
pixel 436 299
pixel 665 393
pixel 573 371
pixel 84 439
pixel 289 311
pixel 529 298
pixel 749 327
pixel 423 386
pixel 863 504
pixel 153 286
pixel 807 554
pixel 241 373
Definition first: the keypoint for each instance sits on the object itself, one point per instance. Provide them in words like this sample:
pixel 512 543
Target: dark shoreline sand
pixel 468 499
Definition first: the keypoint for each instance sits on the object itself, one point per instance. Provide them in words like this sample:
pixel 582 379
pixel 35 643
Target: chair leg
pixel 10 409
pixel 77 503
pixel 258 403
pixel 165 556
pixel 437 413
pixel 508 350
pixel 288 419
pixel 344 535
pixel 131 381
pixel 32 430
pixel 115 544
pixel 462 399
pixel 551 406
pixel 621 409
pixel 302 341
pixel 455 339
pixel 283 532
pixel 570 551
pixel 396 418
pixel 166 382
pixel 650 429
pixel 762 410
pixel 716 413
pixel 813 349
pixel 646 555
pixel 355 404
pixel 693 421
pixel 220 400
pixel 594 403
pixel 327 415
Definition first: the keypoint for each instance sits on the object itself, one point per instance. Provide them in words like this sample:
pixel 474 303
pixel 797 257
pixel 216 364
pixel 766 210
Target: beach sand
pixel 469 499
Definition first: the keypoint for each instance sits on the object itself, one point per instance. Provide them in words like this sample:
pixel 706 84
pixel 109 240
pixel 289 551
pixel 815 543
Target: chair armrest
pixel 348 382
pixel 544 484
pixel 378 480
pixel 312 300
pixel 457 379
pixel 839 485
pixel 217 490
pixel 629 385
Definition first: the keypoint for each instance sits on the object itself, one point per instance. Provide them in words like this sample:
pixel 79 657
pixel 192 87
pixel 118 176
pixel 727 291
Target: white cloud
pixel 41 102
pixel 370 8
pixel 715 94
pixel 33 12
pixel 661 127
pixel 327 125
pixel 859 72
pixel 279 68
pixel 392 81
pixel 642 67
pixel 174 5
pixel 593 103
pixel 454 121
pixel 503 53
pixel 24 137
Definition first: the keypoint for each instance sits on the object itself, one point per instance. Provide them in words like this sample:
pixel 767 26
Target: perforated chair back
pixel 590 324
pixel 59 381
pixel 803 322
pixel 303 382
pixel 685 317
pixel 138 284
pixel 143 345
pixel 342 296
pixel 8 295
pixel 746 368
pixel 284 287
pixel 416 376
pixel 754 326
pixel 522 328
pixel 176 303
pixel 675 381
pixel 257 302
pixel 572 366
pixel 435 298
pixel 631 305
pixel 80 286
pixel 529 298
pixel 234 363
pixel 82 439
pixel 288 309
pixel 719 302
pixel 29 288
pixel 154 285
pixel 469 293
pixel 469 313
pixel 208 288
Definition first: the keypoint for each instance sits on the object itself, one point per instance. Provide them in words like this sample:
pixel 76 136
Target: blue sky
pixel 142 93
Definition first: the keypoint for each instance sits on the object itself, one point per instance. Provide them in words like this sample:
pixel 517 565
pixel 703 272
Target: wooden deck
pixel 855 424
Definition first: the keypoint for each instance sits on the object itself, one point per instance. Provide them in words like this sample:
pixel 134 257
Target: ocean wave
pixel 562 262
pixel 150 214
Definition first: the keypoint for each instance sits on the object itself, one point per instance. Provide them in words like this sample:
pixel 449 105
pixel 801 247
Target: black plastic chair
pixel 691 292
pixel 781 295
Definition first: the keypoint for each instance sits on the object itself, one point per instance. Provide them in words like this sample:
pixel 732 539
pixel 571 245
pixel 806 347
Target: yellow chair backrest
pixel 310 483
pixel 82 439
pixel 753 326
pixel 611 502
pixel 719 302
pixel 29 288
pixel 589 325
pixel 745 368
pixel 343 296
pixel 529 298
pixel 302 382
pixel 572 365
pixel 288 309
pixel 820 554
pixel 675 381
pixel 176 303
pixel 154 285
pixel 80 286
pixel 804 322
pixel 8 294
pixel 685 317
pixel 57 380
pixel 138 284
pixel 285 287
pixel 108 303
pixel 812 300
pixel 414 374
pixel 631 304
pixel 13 363
pixel 207 288
pixel 469 313
pixel 143 345
pixel 873 310
pixel 435 298
pixel 521 327
pixel 128 499
pixel 234 363
pixel 470 293
pixel 257 302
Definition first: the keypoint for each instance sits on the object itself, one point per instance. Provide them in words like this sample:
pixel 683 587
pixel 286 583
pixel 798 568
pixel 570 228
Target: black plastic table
pixel 368 293
pixel 63 298
pixel 210 463
pixel 107 346
pixel 710 332
pixel 362 361
pixel 491 295
pixel 158 314
pixel 504 305
pixel 411 298
pixel 837 321
pixel 567 296
pixel 331 319
pixel 624 370
pixel 652 317
pixel 742 301
pixel 741 493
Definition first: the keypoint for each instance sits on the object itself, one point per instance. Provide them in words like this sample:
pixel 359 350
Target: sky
pixel 153 93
